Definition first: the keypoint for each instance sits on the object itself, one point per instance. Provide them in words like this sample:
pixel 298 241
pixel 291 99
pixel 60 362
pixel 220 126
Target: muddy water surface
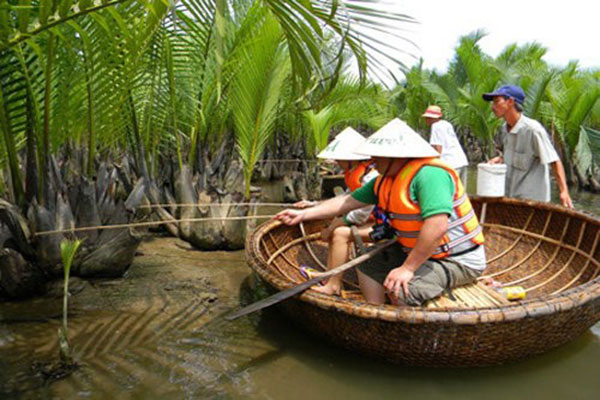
pixel 159 333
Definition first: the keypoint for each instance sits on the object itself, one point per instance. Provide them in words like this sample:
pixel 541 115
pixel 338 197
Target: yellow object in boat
pixel 513 292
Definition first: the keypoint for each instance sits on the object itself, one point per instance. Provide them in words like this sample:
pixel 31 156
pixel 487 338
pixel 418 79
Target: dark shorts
pixel 429 281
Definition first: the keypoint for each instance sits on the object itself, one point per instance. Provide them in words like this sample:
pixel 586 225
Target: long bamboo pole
pixel 216 205
pixel 151 223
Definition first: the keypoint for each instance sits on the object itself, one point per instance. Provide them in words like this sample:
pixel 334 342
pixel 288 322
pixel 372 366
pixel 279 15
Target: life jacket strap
pixel 446 247
pixel 460 200
pixel 461 220
pixel 406 217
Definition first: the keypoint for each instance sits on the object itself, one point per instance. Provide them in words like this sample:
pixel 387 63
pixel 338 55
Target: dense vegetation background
pixel 161 81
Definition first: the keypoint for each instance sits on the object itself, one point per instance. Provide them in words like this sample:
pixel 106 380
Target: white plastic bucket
pixel 490 180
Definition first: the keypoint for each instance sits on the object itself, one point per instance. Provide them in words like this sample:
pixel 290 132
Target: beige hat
pixel 433 112
pixel 396 140
pixel 341 148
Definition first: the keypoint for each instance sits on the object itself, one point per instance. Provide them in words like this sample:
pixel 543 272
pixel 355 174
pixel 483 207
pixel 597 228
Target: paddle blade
pixel 269 301
pixel 277 297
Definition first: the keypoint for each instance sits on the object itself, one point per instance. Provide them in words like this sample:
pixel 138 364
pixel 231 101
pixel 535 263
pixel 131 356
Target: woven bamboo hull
pixel 443 344
pixel 556 259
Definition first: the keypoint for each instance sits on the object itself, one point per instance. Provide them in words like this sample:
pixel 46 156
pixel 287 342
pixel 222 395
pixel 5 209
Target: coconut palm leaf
pixel 587 152
pixel 459 91
pixel 573 98
pixel 306 24
pixel 255 94
pixel 537 94
pixel 11 152
pixel 349 103
pixel 96 47
pixel 411 97
pixel 470 62
pixel 521 64
pixel 320 123
pixel 50 14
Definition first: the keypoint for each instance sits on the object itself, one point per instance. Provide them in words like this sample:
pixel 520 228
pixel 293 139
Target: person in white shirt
pixel 444 140
pixel 526 149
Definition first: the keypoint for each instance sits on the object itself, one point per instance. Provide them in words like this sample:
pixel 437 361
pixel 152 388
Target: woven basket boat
pixel 550 251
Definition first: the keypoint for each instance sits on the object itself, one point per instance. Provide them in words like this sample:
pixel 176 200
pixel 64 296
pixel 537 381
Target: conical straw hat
pixel 396 140
pixel 341 147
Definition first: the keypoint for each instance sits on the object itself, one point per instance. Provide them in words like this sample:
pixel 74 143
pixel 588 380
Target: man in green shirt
pixel 445 251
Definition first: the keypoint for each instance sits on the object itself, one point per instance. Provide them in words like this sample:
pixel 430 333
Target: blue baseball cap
pixel 512 91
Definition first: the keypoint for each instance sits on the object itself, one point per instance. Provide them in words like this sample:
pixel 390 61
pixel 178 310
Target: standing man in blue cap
pixel 527 150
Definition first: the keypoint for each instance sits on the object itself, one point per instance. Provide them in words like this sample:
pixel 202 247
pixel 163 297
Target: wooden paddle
pixel 287 293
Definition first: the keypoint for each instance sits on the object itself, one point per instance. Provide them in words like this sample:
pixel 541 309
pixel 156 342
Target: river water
pixel 159 333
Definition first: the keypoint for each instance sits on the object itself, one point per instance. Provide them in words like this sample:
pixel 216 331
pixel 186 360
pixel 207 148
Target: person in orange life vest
pixel 358 169
pixel 421 201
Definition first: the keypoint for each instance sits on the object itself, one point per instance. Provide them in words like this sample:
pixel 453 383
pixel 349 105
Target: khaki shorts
pixel 429 281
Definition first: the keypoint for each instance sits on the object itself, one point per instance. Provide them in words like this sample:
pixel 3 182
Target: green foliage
pixel 587 152
pixel 563 100
pixel 72 73
pixel 162 77
pixel 255 94
pixel 411 98
pixel 349 103
pixel 320 124
pixel 572 97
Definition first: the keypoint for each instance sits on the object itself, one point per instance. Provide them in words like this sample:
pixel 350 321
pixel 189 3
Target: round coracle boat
pixel 551 252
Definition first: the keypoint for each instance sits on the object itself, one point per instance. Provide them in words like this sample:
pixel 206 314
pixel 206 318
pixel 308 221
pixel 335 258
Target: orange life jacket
pixel 404 215
pixel 353 176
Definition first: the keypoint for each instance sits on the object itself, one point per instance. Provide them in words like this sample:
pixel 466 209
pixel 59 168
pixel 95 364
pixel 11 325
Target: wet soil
pixel 132 332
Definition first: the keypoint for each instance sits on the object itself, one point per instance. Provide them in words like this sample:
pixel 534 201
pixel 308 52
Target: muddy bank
pixel 119 325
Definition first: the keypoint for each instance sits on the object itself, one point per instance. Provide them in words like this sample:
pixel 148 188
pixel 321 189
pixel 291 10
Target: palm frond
pixel 255 94
pixel 320 123
pixel 25 26
pixel 537 93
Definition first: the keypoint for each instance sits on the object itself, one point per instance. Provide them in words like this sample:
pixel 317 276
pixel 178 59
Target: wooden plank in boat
pixel 494 296
pixel 474 295
pixel 352 295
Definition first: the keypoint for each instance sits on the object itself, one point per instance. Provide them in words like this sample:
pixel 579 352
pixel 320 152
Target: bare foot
pixel 491 282
pixel 328 289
